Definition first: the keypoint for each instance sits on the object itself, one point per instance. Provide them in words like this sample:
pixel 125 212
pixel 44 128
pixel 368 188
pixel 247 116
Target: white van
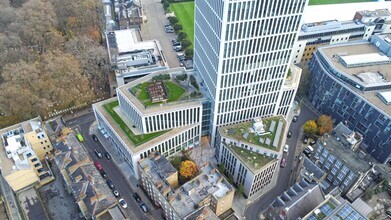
pixel 310 148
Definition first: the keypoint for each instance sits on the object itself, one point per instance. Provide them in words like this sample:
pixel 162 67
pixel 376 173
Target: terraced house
pixel 162 111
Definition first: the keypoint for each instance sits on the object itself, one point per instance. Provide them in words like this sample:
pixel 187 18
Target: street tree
pixel 325 124
pixel 189 53
pixel 188 169
pixel 310 127
pixel 181 36
pixel 177 27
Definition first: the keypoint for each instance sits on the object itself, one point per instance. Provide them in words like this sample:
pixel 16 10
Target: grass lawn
pixel 174 92
pixel 136 139
pixel 184 11
pixel 323 2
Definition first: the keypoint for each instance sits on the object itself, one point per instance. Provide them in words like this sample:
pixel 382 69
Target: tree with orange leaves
pixel 325 124
pixel 188 169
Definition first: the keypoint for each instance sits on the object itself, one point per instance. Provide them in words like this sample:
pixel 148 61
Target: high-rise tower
pixel 242 51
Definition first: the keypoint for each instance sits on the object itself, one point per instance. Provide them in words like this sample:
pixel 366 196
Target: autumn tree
pixel 188 169
pixel 310 127
pixel 325 124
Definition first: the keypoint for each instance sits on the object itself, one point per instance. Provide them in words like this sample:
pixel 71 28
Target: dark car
pixel 289 134
pixel 312 143
pixel 305 140
pixel 98 153
pixel 143 207
pixel 283 163
pixel 307 152
pixel 110 183
pixel 294 119
pixel 95 138
pixel 136 197
pixel 103 173
pixel 107 155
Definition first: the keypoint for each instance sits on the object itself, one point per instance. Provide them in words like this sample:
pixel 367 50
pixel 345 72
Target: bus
pixel 80 137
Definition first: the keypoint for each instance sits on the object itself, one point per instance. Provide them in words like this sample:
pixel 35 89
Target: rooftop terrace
pixel 252 159
pixel 271 137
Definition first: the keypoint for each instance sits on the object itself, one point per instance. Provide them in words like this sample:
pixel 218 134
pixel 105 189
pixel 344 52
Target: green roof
pixel 237 131
pixel 174 92
pixel 252 159
pixel 135 139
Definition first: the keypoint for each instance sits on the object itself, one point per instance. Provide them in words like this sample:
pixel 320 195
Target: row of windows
pixel 263 179
pixel 331 33
pixel 241 115
pixel 247 102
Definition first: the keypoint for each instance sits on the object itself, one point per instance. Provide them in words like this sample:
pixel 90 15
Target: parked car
pixel 104 174
pixel 289 135
pixel 294 119
pixel 99 154
pixel 312 142
pixel 307 152
pixel 300 157
pixel 283 163
pixel 136 197
pixel 123 203
pixel 286 148
pixel 107 155
pixel 116 193
pixel 143 207
pixel 176 43
pixel 95 138
pixel 305 140
pixel 98 165
pixel 178 48
pixel 110 184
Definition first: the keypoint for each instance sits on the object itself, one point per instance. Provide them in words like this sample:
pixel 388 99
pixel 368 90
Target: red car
pixel 98 165
pixel 283 163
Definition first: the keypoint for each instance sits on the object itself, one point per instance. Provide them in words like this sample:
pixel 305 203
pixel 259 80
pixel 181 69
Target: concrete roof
pixel 342 12
pixel 32 205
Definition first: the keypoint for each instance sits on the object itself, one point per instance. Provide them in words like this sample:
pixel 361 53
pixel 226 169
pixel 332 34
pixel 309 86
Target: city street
pixel 253 211
pixel 83 123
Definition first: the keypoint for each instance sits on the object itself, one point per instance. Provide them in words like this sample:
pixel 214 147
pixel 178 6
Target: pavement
pixel 258 206
pixel 116 169
pixel 153 29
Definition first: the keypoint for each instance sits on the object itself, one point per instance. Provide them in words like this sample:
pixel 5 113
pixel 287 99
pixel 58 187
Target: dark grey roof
pixel 312 168
pixel 163 166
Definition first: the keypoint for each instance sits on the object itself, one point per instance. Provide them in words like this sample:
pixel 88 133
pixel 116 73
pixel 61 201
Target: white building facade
pixel 242 52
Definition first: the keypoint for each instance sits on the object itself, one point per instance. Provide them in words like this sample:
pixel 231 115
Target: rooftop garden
pixel 253 159
pixel 241 132
pixel 135 139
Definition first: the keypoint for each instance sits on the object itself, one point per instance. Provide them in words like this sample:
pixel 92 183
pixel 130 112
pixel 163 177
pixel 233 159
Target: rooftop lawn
pixel 184 11
pixel 253 159
pixel 136 139
pixel 174 92
pixel 323 2
pixel 239 129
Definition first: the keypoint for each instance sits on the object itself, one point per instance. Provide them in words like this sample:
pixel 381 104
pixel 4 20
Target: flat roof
pixel 386 96
pixel 184 101
pixel 252 159
pixel 341 12
pixel 364 59
pixel 363 74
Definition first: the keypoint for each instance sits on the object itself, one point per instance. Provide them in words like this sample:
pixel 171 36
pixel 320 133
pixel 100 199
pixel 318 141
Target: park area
pixel 184 11
pixel 323 2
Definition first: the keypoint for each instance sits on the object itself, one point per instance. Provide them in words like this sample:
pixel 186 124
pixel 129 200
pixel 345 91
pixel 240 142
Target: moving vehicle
pixel 94 138
pixel 80 137
pixel 104 174
pixel 98 165
pixel 283 163
pixel 123 203
pixel 286 148
pixel 143 207
pixel 289 135
pixel 99 154
pixel 110 184
pixel 136 197
pixel 107 155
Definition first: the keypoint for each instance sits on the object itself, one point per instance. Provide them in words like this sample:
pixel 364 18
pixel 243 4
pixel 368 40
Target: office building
pixel 162 111
pixel 251 152
pixel 23 149
pixel 352 83
pixel 362 26
pixel 206 195
pixel 242 51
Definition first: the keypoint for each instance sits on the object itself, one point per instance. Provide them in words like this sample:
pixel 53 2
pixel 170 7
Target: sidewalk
pixel 126 172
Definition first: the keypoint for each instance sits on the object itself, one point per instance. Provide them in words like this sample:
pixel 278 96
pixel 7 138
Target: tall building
pixel 242 52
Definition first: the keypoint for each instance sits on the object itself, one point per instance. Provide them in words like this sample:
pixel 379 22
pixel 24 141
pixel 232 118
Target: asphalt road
pixel 254 210
pixel 153 29
pixel 83 123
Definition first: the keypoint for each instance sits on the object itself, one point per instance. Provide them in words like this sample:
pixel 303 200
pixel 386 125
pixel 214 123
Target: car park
pixel 98 165
pixel 110 184
pixel 283 163
pixel 95 138
pixel 107 155
pixel 136 197
pixel 99 154
pixel 104 174
pixel 289 135
pixel 286 148
pixel 143 207
pixel 294 119
pixel 123 203
pixel 116 193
